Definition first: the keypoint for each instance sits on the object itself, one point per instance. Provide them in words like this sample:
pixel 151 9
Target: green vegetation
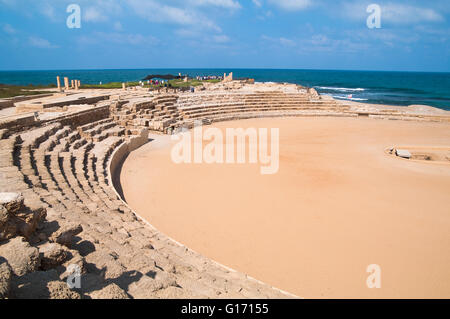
pixel 189 83
pixel 17 90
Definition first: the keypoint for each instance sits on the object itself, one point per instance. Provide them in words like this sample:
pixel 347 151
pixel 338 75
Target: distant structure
pixel 228 78
pixel 58 83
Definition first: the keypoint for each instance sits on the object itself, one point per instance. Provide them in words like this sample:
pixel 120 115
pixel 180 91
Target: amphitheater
pixel 59 155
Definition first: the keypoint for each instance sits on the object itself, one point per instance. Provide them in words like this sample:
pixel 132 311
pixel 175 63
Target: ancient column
pixel 66 83
pixel 123 86
pixel 76 85
pixel 71 84
pixel 58 83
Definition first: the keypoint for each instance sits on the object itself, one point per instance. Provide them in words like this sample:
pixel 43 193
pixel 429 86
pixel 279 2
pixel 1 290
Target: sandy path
pixel 337 204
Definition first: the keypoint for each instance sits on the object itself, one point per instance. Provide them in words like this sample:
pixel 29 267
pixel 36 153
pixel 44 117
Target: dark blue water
pixel 393 88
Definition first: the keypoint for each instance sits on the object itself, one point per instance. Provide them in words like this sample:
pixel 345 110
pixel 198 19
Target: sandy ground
pixel 338 204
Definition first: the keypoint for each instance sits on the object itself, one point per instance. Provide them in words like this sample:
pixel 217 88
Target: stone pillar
pixel 58 83
pixel 66 83
pixel 76 85
pixel 228 78
pixel 123 86
pixel 71 84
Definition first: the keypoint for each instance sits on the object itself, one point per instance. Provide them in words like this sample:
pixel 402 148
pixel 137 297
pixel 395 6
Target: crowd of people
pixel 209 77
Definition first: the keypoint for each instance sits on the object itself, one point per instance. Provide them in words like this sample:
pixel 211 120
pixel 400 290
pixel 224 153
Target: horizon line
pixel 219 68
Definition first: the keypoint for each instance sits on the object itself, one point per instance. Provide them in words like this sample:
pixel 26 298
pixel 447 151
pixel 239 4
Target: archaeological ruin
pixel 60 209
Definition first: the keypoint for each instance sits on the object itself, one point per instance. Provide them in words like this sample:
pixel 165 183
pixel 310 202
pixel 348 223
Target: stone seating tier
pixel 68 174
pixel 64 166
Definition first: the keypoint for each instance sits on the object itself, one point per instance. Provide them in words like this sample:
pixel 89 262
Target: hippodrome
pixel 190 148
pixel 62 163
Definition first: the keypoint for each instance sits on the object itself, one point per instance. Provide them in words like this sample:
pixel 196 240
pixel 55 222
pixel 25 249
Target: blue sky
pixel 225 34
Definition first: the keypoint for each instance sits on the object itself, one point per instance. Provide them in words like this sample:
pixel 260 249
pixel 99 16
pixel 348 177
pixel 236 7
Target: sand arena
pixel 65 168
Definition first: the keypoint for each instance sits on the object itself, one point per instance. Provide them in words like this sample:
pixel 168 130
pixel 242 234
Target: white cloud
pixel 118 38
pixel 8 2
pixel 9 29
pixel 41 43
pixel 187 33
pixel 198 38
pixel 118 26
pixel 229 4
pixel 393 13
pixel 47 10
pixel 316 43
pixel 286 42
pixel 93 14
pixel 161 13
pixel 257 3
pixel 398 13
pixel 291 5
pixel 221 39
pixel 282 41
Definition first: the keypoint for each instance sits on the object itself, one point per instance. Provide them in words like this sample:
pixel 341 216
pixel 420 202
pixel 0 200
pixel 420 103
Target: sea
pixel 376 87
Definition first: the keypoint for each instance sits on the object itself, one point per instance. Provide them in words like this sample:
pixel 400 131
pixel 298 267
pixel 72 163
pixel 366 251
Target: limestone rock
pixel 27 220
pixel 42 285
pixel 104 264
pixel 174 293
pixel 52 255
pixel 11 201
pixel 20 256
pixel 111 291
pixel 313 94
pixel 146 287
pixel 5 278
pixel 64 235
pixel 60 290
pixel 8 228
pixel 74 258
pixel 3 134
pixel 15 218
pixel 3 215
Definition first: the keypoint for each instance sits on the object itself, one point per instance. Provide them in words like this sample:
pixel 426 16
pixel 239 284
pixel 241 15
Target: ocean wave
pixel 348 98
pixel 339 89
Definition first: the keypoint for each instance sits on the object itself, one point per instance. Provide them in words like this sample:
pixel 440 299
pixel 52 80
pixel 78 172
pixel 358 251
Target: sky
pixel 293 34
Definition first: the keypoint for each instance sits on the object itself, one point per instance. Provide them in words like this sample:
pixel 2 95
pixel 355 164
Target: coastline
pixel 392 87
pixel 339 147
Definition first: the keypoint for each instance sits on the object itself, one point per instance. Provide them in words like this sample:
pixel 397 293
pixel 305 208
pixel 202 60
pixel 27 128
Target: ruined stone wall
pixel 22 123
pixel 4 104
pixel 18 123
pixel 88 100
pixel 83 117
pixel 9 102
pixel 119 155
